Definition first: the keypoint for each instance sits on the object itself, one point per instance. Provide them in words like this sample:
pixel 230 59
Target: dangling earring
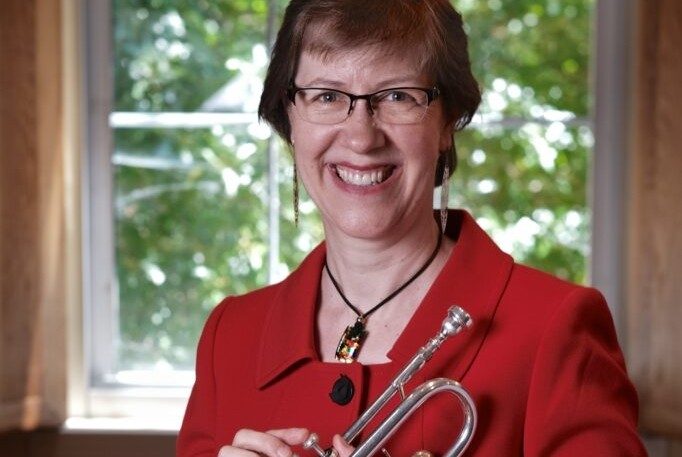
pixel 445 192
pixel 295 194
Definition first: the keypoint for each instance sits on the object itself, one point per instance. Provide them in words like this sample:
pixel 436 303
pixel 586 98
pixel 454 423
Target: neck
pixel 368 270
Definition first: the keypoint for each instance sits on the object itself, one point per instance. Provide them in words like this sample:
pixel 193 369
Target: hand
pixel 342 448
pixel 273 443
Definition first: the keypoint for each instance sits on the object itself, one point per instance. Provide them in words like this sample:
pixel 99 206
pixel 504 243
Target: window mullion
pixel 273 169
pixel 101 312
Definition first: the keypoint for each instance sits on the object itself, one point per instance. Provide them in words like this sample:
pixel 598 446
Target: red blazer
pixel 542 363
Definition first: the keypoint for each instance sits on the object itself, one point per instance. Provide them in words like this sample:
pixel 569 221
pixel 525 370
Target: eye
pixel 327 97
pixel 395 96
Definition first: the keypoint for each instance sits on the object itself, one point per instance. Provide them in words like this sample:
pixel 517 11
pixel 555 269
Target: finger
pixel 291 436
pixel 261 442
pixel 341 446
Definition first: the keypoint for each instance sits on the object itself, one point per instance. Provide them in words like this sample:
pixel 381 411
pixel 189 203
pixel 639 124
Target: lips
pixel 365 177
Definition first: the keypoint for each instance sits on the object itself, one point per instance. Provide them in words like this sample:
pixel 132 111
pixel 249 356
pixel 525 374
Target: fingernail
pixel 284 452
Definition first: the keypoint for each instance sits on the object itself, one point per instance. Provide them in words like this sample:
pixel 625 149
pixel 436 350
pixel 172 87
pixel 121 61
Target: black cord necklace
pixel 352 338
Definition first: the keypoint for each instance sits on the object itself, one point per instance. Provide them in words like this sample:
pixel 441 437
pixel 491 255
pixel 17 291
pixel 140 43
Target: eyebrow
pixel 336 84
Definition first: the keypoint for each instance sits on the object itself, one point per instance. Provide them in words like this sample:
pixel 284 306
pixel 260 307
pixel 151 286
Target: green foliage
pixel 191 204
pixel 526 181
pixel 170 55
pixel 187 234
pixel 543 46
pixel 530 200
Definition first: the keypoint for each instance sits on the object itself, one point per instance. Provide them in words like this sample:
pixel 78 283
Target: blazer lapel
pixel 474 278
pixel 289 328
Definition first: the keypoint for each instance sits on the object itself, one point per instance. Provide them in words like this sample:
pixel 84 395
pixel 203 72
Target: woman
pixel 369 95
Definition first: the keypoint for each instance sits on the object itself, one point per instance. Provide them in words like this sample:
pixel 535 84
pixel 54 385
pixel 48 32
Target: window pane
pixel 296 241
pixel 190 228
pixel 528 182
pixel 527 186
pixel 530 53
pixel 191 204
pixel 175 55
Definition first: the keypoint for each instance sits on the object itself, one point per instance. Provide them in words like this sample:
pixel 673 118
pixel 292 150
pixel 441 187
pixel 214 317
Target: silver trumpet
pixel 456 320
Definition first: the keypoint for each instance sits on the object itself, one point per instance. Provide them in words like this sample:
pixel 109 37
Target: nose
pixel 360 132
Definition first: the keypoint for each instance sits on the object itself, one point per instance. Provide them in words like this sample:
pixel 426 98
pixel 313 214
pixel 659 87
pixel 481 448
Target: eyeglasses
pixel 396 105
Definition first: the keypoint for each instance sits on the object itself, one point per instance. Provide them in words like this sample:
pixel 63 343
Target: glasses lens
pixel 322 106
pixel 400 106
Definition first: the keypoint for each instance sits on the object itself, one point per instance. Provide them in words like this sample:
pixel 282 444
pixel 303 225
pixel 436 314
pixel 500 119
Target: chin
pixel 360 225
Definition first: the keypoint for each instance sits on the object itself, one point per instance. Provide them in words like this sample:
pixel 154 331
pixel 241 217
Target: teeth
pixel 361 178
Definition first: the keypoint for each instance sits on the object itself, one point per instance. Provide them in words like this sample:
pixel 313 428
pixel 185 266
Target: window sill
pixel 127 425
pixel 148 410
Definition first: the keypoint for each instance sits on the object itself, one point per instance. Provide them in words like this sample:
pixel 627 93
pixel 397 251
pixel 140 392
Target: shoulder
pixel 546 315
pixel 252 308
pixel 546 294
pixel 526 300
pixel 541 282
pixel 579 394
pixel 243 310
pixel 250 302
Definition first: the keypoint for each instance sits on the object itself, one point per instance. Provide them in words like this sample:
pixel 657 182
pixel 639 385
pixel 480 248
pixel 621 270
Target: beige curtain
pixel 654 290
pixel 32 216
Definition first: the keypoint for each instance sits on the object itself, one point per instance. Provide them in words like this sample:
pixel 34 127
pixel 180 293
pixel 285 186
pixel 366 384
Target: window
pixel 524 163
pixel 190 197
pixel 184 202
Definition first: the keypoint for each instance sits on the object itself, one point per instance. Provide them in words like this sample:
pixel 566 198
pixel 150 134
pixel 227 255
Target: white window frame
pixel 613 85
pixel 612 77
pixel 97 395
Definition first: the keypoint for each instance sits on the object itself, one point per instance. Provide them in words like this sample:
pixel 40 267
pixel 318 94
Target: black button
pixel 342 390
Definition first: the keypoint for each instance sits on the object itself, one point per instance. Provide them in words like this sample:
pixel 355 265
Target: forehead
pixel 365 68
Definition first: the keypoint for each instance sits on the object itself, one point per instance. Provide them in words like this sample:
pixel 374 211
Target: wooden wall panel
pixel 654 289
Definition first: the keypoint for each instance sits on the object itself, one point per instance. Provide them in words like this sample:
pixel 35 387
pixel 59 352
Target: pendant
pixel 351 342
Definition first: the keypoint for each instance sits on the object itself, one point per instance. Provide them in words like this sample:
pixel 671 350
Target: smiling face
pixel 369 179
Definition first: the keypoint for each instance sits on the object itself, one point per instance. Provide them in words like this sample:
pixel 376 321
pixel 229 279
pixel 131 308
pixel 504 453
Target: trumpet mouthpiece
pixel 456 320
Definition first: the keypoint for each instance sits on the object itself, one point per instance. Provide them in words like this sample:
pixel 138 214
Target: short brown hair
pixel 430 30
